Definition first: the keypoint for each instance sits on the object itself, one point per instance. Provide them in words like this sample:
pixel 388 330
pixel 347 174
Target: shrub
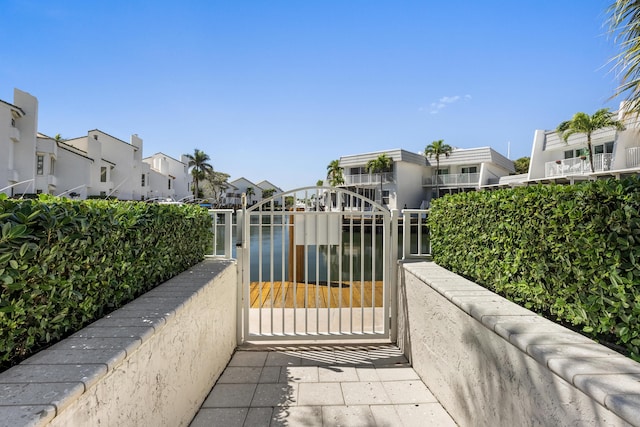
pixel 64 263
pixel 569 251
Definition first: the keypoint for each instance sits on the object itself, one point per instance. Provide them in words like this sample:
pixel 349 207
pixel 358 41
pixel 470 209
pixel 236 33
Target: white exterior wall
pixel 18 143
pixel 46 182
pixel 73 179
pixel 409 190
pixel 241 185
pixel 169 166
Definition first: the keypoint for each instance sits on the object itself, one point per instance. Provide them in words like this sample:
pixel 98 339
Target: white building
pixel 97 164
pixel 412 180
pixel 18 128
pixel 616 154
pixel 167 177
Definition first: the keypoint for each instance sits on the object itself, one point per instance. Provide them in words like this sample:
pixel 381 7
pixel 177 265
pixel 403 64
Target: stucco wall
pixel 150 363
pixel 491 362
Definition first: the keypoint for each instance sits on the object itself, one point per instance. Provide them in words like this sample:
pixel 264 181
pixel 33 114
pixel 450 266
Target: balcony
pixel 369 179
pixel 578 166
pixel 454 179
pixel 14 134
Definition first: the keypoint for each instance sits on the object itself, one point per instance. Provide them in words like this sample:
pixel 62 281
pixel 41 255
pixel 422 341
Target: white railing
pixel 222 232
pixel 415 234
pixel 633 157
pixel 369 179
pixel 453 179
pixel 578 165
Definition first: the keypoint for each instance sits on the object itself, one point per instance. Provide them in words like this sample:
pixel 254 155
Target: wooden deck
pixel 294 294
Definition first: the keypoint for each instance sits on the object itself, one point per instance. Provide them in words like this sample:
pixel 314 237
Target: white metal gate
pixel 316 263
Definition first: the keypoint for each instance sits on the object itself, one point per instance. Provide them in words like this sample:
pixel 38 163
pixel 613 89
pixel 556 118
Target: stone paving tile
pixel 408 392
pixel 397 373
pixel 424 414
pixel 299 374
pixel 385 415
pixel 230 395
pixel 337 374
pixel 240 374
pixel 320 394
pixel 223 417
pixel 258 417
pixel 364 393
pixel 347 416
pixel 297 416
pixel 249 358
pixel 275 395
pixel 276 358
pixel 367 374
pixel 270 374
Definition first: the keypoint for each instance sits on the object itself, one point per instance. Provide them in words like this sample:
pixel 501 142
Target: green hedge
pixel 64 264
pixel 572 252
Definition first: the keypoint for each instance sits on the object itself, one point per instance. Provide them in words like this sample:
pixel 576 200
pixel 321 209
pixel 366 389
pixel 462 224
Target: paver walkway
pixel 370 385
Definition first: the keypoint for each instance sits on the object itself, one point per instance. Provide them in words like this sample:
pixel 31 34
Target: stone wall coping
pixel 608 377
pixel 36 390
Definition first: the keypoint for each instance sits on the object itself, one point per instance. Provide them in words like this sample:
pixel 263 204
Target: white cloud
pixel 443 102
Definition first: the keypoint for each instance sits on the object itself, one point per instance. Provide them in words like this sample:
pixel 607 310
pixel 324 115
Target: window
pixel 385 197
pixel 95 137
pixel 169 184
pixel 13 122
pixel 103 194
pixel 143 178
pixel 103 174
pixel 443 171
pixel 358 171
pixel 603 148
pixel 39 164
pixel 52 165
pixel 470 169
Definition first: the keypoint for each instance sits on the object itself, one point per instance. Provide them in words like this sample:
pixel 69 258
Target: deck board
pixel 295 294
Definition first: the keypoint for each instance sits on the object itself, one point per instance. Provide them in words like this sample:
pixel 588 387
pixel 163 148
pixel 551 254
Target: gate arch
pixel 316 264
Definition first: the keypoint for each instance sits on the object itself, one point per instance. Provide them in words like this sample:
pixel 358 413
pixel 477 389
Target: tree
pixel 584 123
pixel 319 183
pixel 522 164
pixel 217 181
pixel 268 193
pixel 58 138
pixel 379 165
pixel 200 168
pixel 437 149
pixel 624 24
pixel 334 173
pixel 250 192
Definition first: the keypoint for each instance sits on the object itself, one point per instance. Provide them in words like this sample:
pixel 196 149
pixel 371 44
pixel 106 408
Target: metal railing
pixel 632 157
pixel 578 165
pixel 222 232
pixel 453 179
pixel 369 179
pixel 415 239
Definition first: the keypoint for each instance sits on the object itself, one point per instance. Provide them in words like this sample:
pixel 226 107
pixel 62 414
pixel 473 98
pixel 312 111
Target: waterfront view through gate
pixel 319 270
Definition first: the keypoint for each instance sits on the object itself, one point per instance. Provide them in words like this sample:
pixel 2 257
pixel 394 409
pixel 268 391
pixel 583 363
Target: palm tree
pixel 624 24
pixel 437 149
pixel 584 123
pixel 200 168
pixel 379 165
pixel 249 192
pixel 334 173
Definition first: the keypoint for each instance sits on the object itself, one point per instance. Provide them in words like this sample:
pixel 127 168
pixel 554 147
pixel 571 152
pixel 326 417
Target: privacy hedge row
pixel 66 263
pixel 569 251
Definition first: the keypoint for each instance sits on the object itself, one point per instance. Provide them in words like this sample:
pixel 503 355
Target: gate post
pixel 393 276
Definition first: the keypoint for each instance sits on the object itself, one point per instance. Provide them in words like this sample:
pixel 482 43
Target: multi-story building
pixel 412 179
pixel 97 164
pixel 615 154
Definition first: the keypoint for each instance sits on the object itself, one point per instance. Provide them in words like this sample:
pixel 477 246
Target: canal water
pixel 359 256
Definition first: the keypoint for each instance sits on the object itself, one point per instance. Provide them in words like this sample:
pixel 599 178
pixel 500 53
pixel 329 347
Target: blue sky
pixel 277 89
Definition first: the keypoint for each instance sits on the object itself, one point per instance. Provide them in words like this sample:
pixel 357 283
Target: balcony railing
pixel 578 165
pixel 457 179
pixel 369 179
pixel 633 157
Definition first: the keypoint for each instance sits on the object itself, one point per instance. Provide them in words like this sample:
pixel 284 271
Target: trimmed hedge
pixel 572 252
pixel 64 263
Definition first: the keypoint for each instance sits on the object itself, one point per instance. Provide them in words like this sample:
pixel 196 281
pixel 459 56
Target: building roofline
pixel 14 107
pixel 166 155
pixel 117 139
